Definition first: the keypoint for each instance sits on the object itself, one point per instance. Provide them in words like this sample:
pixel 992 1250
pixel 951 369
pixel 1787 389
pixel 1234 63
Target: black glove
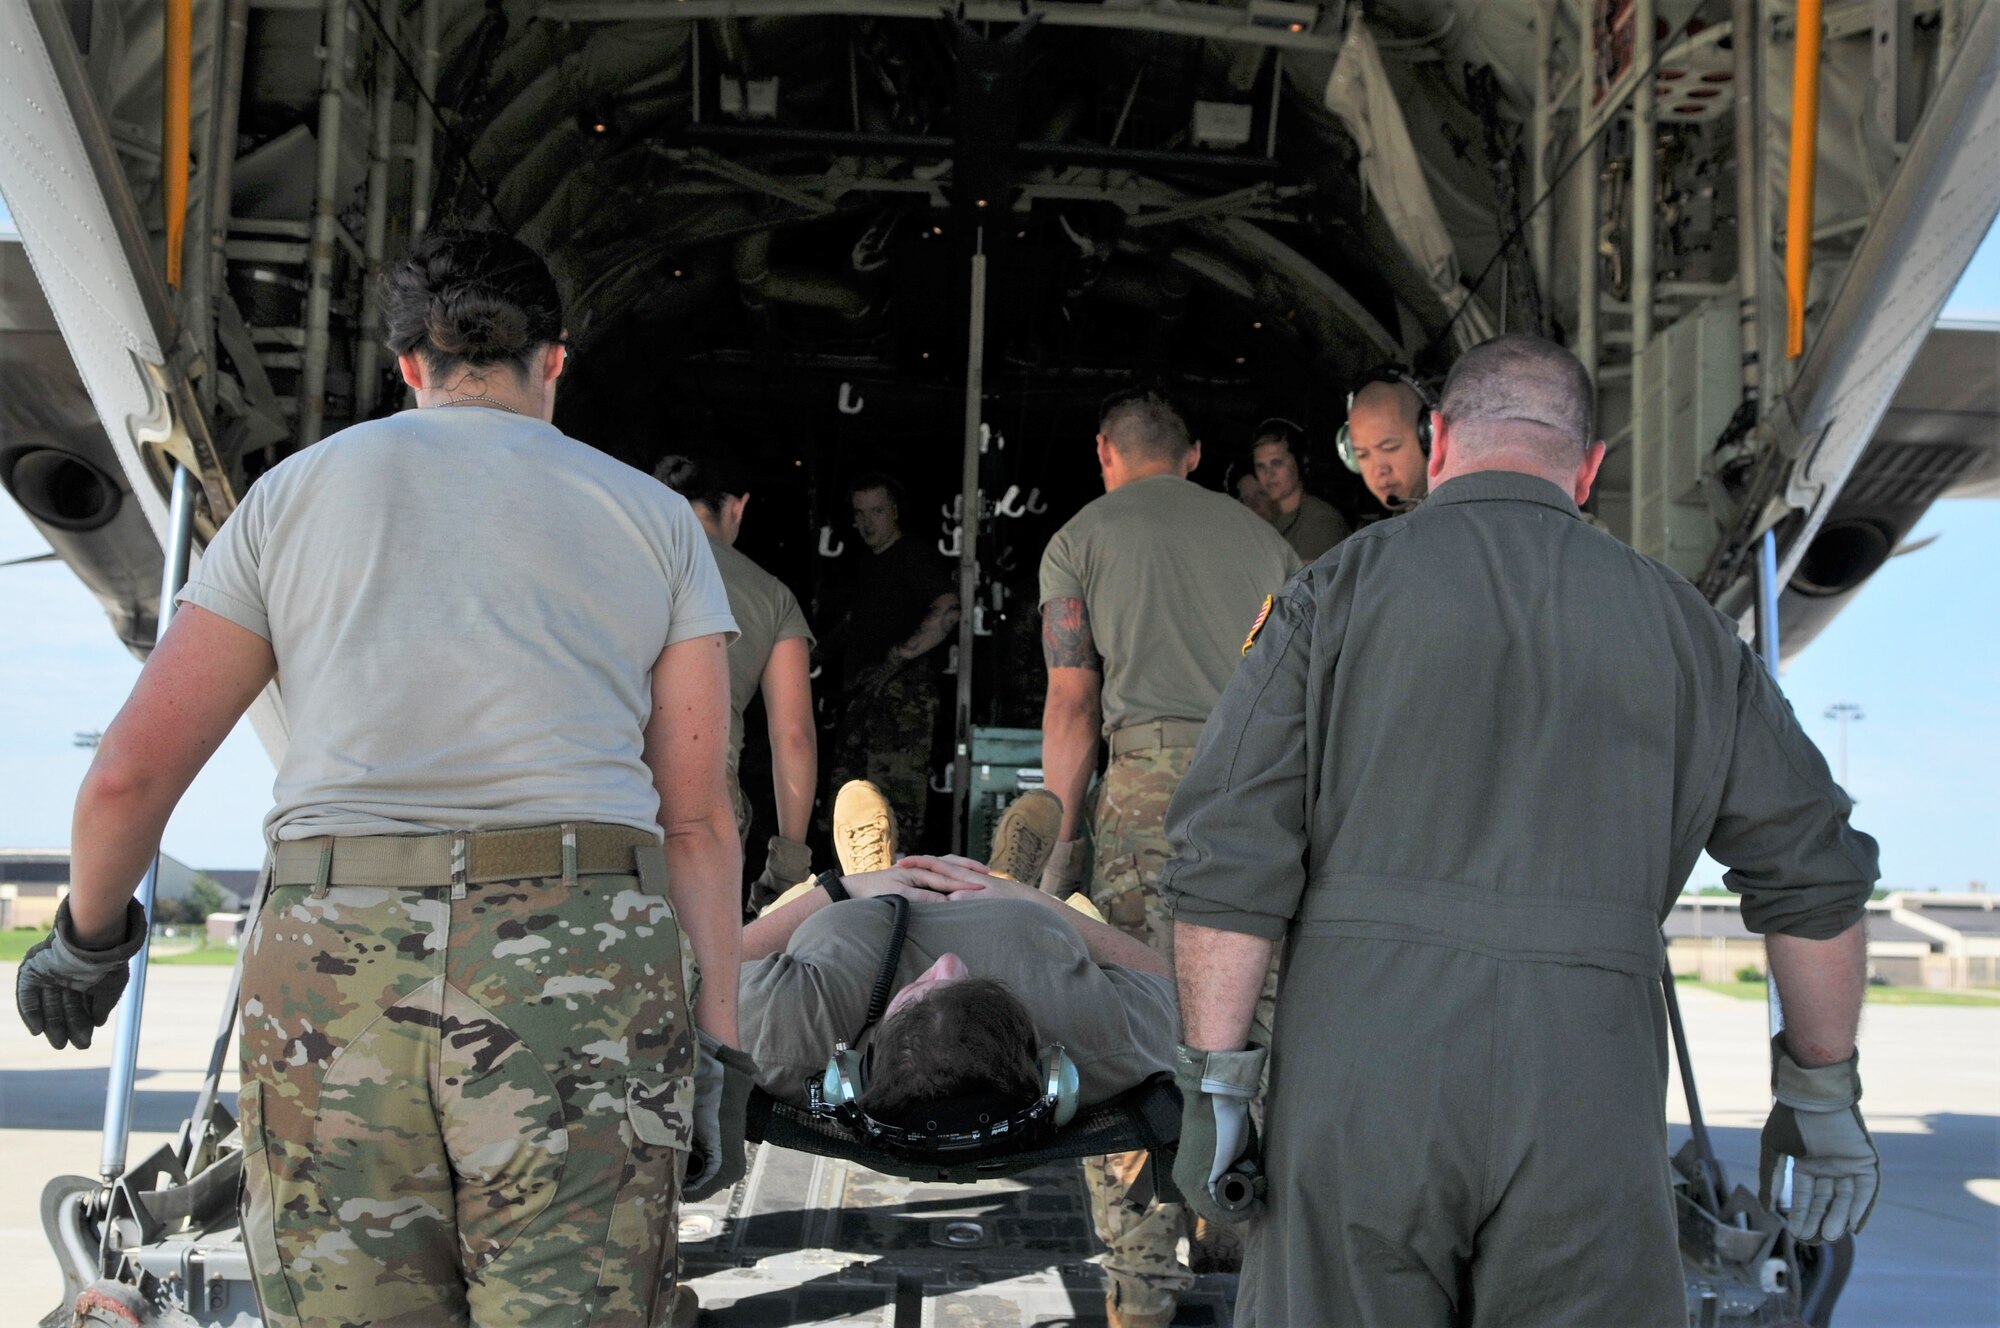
pixel 1215 1165
pixel 64 991
pixel 723 1077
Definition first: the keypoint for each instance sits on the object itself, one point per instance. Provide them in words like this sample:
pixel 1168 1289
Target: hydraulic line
pixel 175 129
pixel 1804 163
pixel 319 258
pixel 1649 531
pixel 1586 194
pixel 1749 143
pixel 1586 148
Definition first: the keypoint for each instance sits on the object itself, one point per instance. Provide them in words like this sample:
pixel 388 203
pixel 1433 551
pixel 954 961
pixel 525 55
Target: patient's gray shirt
pixel 1118 1024
pixel 465 606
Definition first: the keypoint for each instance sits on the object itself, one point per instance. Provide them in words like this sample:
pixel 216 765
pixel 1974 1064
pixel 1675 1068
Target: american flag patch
pixel 1257 626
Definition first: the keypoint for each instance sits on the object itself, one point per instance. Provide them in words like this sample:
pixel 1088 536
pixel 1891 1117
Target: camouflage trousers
pixel 1128 830
pixel 885 738
pixel 467 1106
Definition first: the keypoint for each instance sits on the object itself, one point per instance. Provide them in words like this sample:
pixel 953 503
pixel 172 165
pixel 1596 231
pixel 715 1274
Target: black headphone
pixel 953 1125
pixel 1343 442
pixel 1278 429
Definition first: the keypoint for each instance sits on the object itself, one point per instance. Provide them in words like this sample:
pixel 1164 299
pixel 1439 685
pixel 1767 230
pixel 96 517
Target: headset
pixel 1278 429
pixel 979 1122
pixel 1343 441
pixel 975 1123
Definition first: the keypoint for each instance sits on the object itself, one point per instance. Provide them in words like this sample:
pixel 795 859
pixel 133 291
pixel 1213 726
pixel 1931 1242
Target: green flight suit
pixel 1462 774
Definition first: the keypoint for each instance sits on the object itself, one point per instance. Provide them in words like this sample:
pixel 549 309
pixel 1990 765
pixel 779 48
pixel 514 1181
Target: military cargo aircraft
pixel 850 235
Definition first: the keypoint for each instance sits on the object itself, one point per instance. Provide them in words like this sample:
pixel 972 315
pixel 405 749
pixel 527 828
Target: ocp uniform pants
pixel 1129 848
pixel 885 738
pixel 466 1103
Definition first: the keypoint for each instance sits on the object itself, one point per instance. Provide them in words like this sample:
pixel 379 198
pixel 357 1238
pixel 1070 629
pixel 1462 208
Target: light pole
pixel 1844 711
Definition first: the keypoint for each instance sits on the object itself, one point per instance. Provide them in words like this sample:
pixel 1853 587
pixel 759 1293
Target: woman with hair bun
pixel 772 656
pixel 489 998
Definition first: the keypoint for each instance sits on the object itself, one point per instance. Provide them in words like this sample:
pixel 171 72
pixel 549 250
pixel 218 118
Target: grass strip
pixel 1754 991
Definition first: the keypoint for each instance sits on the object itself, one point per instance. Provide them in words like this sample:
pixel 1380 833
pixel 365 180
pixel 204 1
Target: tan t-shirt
pixel 1172 576
pixel 466 607
pixel 766 613
pixel 1117 1024
pixel 1313 528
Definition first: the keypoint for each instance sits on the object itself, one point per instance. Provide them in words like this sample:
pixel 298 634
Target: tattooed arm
pixel 930 633
pixel 1072 714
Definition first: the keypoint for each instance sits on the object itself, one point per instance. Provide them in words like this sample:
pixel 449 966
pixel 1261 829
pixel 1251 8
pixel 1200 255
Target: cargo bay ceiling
pixel 799 185
pixel 763 211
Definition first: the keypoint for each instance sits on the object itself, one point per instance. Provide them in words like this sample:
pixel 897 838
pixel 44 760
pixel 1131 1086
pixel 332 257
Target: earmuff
pixel 1343 442
pixel 956 1125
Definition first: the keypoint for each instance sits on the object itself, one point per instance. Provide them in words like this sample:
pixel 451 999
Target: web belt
pixel 472 857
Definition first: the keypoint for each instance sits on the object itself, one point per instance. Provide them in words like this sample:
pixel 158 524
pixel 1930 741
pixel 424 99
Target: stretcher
pixel 1143 1119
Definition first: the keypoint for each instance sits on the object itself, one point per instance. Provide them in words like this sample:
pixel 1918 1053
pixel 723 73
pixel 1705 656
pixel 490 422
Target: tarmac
pixel 1930 1257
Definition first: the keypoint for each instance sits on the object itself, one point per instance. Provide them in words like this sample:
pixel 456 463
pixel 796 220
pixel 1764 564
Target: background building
pixel 33 882
pixel 1914 940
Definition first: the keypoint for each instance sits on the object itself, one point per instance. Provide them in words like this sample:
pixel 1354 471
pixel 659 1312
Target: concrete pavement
pixel 1930 1076
pixel 1929 1259
pixel 52 1114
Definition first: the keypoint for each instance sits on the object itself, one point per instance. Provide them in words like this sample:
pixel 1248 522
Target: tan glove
pixel 1216 1163
pixel 1063 875
pixel 1816 1122
pixel 786 863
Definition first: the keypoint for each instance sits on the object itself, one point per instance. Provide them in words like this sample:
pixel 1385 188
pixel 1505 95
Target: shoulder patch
pixel 1263 616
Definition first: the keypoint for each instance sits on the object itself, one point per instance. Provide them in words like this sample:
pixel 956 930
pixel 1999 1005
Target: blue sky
pixel 1917 650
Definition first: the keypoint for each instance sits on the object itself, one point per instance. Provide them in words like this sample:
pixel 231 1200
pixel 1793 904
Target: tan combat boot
pixel 1126 1306
pixel 1025 836
pixel 864 828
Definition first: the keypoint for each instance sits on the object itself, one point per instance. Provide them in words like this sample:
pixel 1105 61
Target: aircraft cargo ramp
pixel 808 1239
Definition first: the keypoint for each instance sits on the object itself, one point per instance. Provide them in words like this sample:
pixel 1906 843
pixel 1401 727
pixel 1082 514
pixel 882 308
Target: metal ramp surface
pixel 812 1240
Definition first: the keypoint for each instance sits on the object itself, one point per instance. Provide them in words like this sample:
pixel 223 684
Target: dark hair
pixel 968 1038
pixel 875 479
pixel 1525 379
pixel 1144 422
pixel 471 297
pixel 1278 429
pixel 707 478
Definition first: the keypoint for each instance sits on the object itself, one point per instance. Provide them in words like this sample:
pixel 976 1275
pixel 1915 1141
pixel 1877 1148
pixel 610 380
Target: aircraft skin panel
pixel 1945 201
pixel 66 226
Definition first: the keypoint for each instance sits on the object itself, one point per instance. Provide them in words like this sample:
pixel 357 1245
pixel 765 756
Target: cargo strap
pixel 1155 734
pixel 481 857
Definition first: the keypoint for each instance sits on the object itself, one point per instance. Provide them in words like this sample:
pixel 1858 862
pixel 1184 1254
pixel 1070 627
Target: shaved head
pixel 1384 443
pixel 1399 397
pixel 1146 425
pixel 1520 393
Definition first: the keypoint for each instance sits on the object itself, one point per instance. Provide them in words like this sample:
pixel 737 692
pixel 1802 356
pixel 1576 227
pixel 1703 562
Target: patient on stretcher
pixel 991 975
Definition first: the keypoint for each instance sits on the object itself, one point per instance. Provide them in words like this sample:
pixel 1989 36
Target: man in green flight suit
pixel 1146 594
pixel 1464 769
